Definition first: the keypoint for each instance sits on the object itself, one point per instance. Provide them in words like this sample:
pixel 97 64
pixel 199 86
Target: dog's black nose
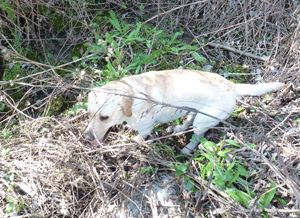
pixel 89 136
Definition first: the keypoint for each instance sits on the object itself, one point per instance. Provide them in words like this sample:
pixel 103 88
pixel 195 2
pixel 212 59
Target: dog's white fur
pixel 206 92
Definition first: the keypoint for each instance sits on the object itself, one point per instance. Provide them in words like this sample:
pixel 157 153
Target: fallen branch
pixel 248 54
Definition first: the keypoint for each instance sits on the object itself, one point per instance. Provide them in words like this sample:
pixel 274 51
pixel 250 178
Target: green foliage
pixel 235 73
pixel 110 60
pixel 268 197
pixel 58 22
pixel 58 105
pixel 79 50
pixel 237 111
pixel 177 121
pixel 2 106
pixel 6 7
pixel 5 151
pixel 266 98
pixel 163 148
pixel 76 108
pixel 180 168
pixel 231 177
pixel 199 58
pixel 157 128
pixel 189 184
pixel 232 142
pixel 6 133
pixel 114 21
pixel 149 169
pixel 11 73
pixel 14 205
pixel 242 197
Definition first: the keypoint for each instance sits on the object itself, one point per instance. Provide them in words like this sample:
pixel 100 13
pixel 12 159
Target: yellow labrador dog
pixel 136 101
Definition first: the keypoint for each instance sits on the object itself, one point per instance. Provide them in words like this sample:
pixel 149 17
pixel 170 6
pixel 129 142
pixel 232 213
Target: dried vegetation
pixel 49 170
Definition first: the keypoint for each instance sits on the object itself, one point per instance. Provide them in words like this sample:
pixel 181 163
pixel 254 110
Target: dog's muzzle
pixel 90 136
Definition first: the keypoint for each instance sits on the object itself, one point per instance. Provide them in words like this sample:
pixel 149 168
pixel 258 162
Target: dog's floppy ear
pixel 124 89
pixel 126 103
pixel 126 106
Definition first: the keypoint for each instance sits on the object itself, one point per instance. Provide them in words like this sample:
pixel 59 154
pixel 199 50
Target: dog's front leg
pixel 202 123
pixel 143 133
pixel 138 139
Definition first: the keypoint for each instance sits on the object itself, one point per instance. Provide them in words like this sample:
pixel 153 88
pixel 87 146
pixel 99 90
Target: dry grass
pixel 58 174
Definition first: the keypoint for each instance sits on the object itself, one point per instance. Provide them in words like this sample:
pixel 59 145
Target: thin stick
pixel 248 54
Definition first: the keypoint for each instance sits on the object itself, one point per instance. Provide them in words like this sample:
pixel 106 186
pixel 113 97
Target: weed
pixel 6 133
pixel 157 128
pixel 177 121
pixel 58 105
pixel 189 184
pixel 163 148
pixel 266 199
pixel 149 169
pixel 5 151
pixel 76 108
pixel 237 111
pixel 180 169
pixel 202 60
pixel 14 205
pixel 231 177
pixel 111 61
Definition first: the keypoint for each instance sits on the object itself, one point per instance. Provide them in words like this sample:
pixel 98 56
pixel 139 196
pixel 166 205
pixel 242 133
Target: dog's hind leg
pixel 189 121
pixel 202 123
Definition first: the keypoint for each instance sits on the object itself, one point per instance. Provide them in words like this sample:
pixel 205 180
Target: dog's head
pixel 107 106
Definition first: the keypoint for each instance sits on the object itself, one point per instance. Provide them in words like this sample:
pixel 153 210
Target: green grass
pixel 230 176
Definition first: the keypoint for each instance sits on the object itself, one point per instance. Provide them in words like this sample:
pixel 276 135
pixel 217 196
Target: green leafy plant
pixel 231 177
pixel 237 111
pixel 109 50
pixel 157 128
pixel 2 106
pixel 266 98
pixel 199 58
pixel 177 121
pixel 180 168
pixel 268 197
pixel 6 133
pixel 149 169
pixel 5 151
pixel 58 105
pixel 14 205
pixel 190 184
pixel 77 107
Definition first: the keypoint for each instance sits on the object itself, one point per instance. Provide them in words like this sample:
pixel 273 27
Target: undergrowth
pixel 55 52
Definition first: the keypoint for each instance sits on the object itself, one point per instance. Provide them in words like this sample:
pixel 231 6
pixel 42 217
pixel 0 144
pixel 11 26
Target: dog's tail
pixel 259 89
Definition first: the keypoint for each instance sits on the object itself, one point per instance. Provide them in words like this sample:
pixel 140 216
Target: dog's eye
pixel 103 118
